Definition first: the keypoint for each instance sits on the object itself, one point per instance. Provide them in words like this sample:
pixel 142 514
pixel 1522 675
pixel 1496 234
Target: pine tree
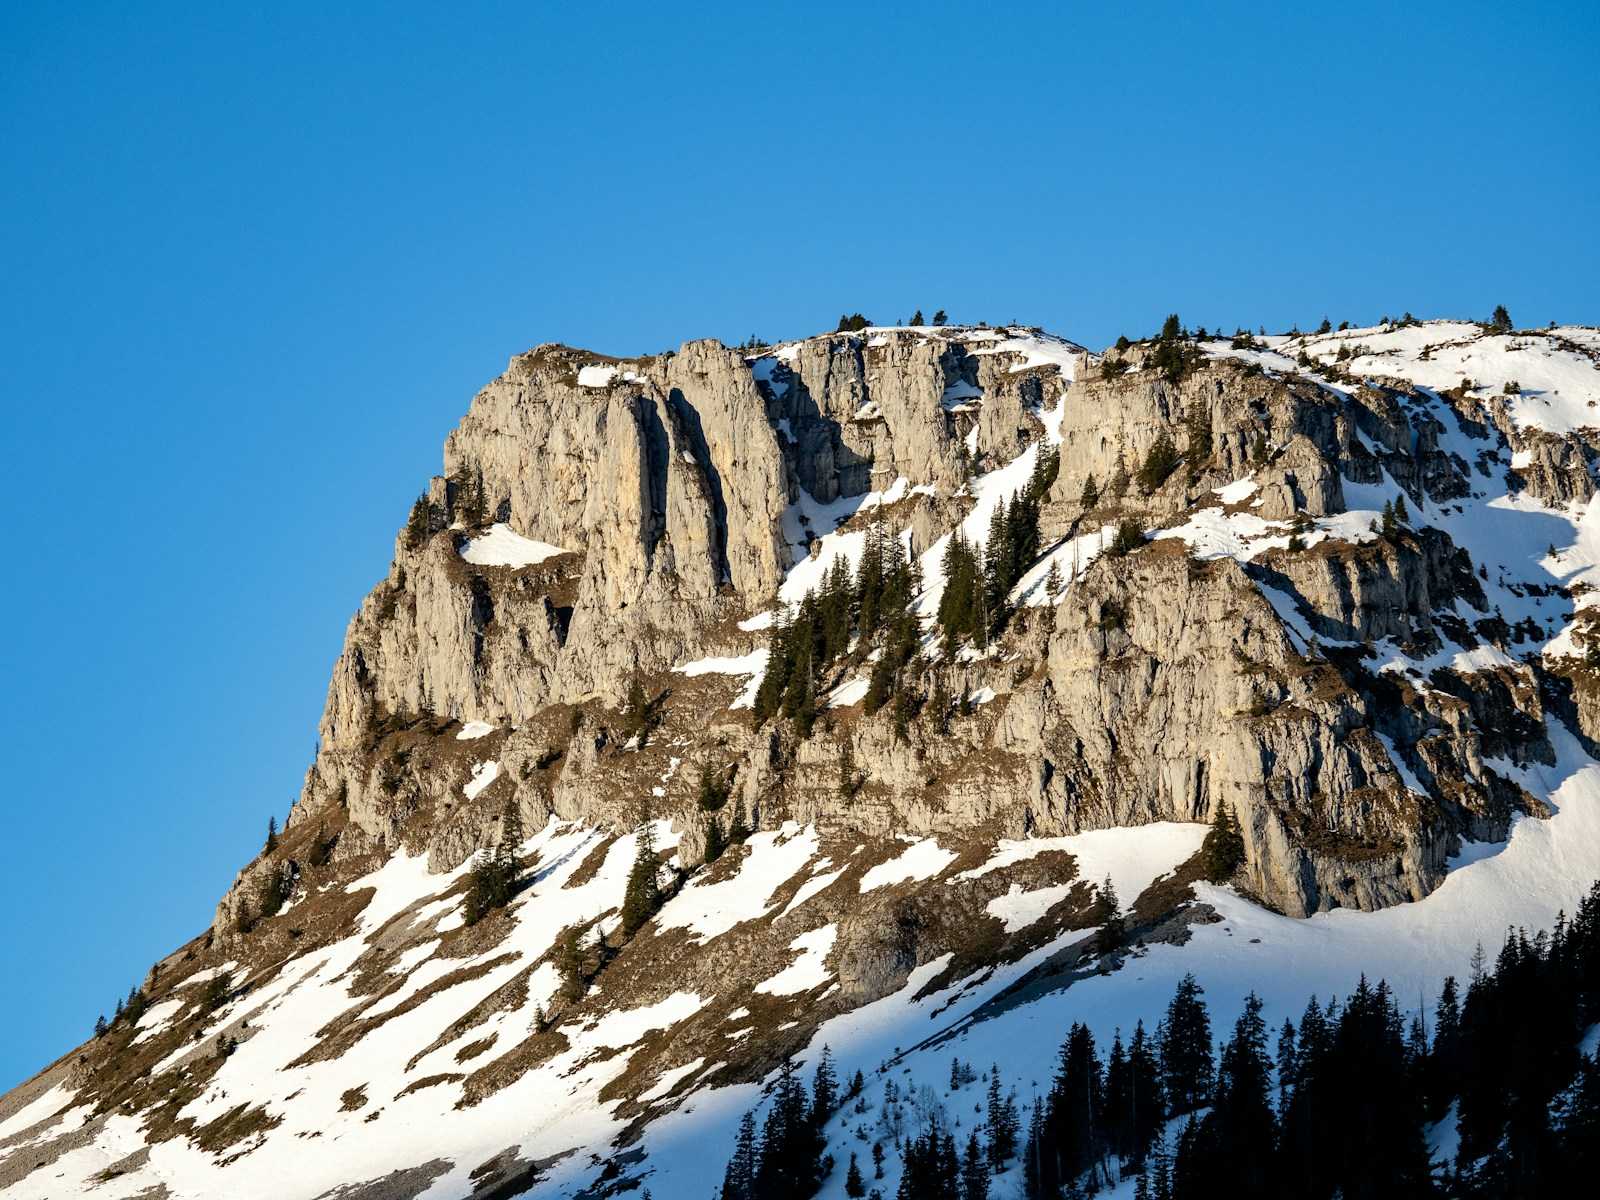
pixel 1223 851
pixel 712 789
pixel 1090 496
pixel 716 840
pixel 1400 513
pixel 939 317
pixel 1159 463
pixel 877 1160
pixel 1388 526
pixel 272 835
pixel 1119 1125
pixel 100 1026
pixel 739 1180
pixel 1128 538
pixel 1112 929
pixel 572 964
pixel 1288 1064
pixel 824 1086
pixel 1186 1057
pixel 790 1164
pixel 1240 1129
pixel 643 894
pixel 1001 1124
pixel 974 1172
pixel 1052 582
pixel 492 882
pixel 418 523
pixel 637 714
pixel 1500 322
pixel 916 317
pixel 1147 1100
pixel 854 1186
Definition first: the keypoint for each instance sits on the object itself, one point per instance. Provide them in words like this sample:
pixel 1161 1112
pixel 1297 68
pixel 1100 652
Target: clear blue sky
pixel 256 261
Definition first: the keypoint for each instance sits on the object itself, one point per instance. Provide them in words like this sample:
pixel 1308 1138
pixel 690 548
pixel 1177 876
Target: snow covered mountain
pixel 890 654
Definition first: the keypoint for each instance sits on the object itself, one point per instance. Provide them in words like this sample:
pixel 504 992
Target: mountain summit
pixel 879 705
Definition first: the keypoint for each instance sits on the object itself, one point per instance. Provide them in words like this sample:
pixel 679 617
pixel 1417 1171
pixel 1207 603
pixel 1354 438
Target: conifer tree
pixel 1222 853
pixel 790 1164
pixel 824 1089
pixel 739 1180
pixel 1288 1064
pixel 643 894
pixel 854 1186
pixel 1118 1115
pixel 1186 1056
pixel 1090 496
pixel 1159 463
pixel 1128 538
pixel 1500 322
pixel 572 963
pixel 716 840
pixel 1147 1099
pixel 847 768
pixel 1074 1119
pixel 1112 930
pixel 939 317
pixel 100 1026
pixel 493 879
pixel 636 715
pixel 1001 1123
pixel 417 524
pixel 272 835
pixel 1052 582
pixel 1240 1129
pixel 974 1172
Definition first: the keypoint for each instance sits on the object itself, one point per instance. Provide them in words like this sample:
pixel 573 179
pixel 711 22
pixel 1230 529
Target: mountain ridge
pixel 1372 702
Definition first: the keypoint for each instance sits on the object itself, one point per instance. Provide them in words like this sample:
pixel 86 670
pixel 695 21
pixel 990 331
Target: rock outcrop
pixel 676 492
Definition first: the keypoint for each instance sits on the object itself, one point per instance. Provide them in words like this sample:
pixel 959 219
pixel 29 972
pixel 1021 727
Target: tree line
pixel 1343 1103
pixel 1340 1103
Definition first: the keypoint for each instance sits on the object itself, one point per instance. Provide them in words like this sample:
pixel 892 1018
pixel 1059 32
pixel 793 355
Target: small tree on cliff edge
pixel 1223 850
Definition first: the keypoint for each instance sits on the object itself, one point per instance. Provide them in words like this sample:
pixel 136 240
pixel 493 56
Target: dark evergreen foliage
pixel 1222 853
pixel 643 894
pixel 1128 538
pixel 1161 461
pixel 493 879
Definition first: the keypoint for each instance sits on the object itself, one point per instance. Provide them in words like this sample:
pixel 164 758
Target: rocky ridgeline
pixel 1161 684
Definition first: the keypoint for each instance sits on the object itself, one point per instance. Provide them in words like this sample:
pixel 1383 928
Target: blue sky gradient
pixel 257 259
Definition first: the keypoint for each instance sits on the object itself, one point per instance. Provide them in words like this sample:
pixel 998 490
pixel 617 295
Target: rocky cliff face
pixel 681 489
pixel 1322 580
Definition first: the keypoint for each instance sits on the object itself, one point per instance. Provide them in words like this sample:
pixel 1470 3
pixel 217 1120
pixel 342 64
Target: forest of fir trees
pixel 1343 1102
pixel 866 614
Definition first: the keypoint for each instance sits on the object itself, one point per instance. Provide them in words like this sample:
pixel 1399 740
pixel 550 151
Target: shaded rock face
pixel 1163 686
